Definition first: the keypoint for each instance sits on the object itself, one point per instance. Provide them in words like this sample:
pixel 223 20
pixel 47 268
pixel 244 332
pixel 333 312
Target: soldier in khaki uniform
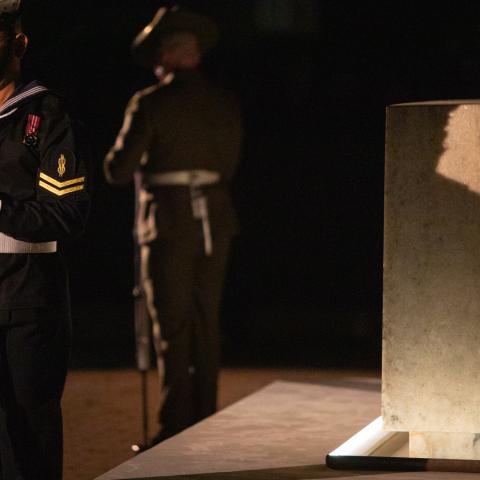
pixel 181 140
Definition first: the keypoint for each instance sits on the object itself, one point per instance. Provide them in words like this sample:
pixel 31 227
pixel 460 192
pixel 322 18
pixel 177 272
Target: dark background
pixel 304 285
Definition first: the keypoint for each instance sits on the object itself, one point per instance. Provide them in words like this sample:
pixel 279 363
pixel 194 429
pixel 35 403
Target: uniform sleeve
pixel 132 142
pixel 60 208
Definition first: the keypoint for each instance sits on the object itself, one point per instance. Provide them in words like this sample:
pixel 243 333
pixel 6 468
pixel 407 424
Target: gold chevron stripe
pixel 58 192
pixel 61 184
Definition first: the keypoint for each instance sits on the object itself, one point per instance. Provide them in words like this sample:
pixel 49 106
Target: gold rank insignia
pixel 62 162
pixel 60 188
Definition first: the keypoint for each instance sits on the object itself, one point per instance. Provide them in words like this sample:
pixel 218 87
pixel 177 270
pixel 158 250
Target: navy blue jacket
pixel 43 192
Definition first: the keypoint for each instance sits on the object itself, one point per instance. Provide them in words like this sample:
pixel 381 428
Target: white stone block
pixel 431 332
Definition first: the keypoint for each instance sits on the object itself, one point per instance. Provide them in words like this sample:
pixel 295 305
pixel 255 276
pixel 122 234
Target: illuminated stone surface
pixel 464 446
pixel 283 431
pixel 431 337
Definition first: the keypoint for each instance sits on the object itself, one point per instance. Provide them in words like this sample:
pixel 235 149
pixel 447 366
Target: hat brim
pixel 145 45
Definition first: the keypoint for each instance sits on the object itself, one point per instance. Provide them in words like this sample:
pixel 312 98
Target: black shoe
pixel 160 437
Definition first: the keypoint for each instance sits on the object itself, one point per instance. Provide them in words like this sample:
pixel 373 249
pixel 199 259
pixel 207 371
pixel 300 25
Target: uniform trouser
pixel 184 289
pixel 34 350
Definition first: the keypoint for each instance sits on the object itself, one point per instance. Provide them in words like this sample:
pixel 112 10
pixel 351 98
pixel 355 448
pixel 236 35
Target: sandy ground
pixel 102 410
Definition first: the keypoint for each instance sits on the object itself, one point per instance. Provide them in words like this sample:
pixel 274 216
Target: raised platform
pixel 284 431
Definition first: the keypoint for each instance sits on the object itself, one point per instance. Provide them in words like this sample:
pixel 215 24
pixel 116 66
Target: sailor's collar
pixel 20 95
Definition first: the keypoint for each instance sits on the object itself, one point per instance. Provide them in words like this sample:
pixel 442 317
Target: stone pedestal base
pixel 460 446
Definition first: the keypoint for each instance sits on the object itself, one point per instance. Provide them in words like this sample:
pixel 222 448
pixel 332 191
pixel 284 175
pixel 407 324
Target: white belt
pixel 11 245
pixel 192 178
pixel 195 179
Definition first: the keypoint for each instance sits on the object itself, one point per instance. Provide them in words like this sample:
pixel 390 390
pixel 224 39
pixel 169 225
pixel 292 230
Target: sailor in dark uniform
pixel 43 200
pixel 181 139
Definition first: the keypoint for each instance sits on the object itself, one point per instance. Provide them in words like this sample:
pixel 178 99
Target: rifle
pixel 143 329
